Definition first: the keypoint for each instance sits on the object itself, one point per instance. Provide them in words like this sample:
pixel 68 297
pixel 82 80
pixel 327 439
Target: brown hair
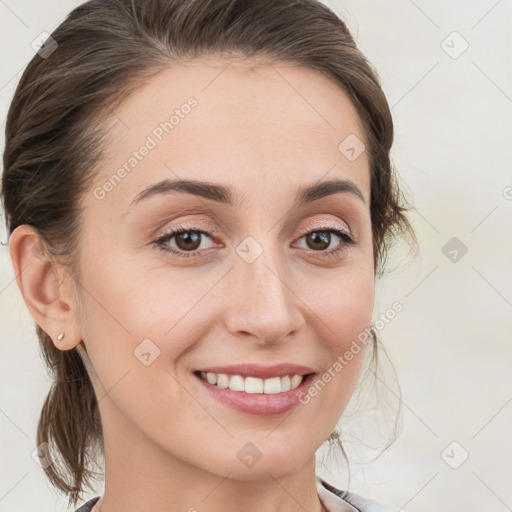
pixel 55 137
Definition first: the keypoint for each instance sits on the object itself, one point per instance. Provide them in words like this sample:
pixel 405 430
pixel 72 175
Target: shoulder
pixel 345 501
pixel 86 507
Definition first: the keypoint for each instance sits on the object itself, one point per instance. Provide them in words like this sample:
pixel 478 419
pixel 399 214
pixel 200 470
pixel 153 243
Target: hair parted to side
pixel 55 137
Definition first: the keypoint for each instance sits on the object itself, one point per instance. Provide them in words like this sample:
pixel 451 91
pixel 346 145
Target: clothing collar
pixel 332 498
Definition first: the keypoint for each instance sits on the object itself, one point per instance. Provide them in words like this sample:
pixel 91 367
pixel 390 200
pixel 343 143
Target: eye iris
pixel 323 236
pixel 187 237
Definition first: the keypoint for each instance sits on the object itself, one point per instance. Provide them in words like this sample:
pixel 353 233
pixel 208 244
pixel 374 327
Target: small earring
pixel 60 336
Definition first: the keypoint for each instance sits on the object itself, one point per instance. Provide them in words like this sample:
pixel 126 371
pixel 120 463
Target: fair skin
pixel 169 445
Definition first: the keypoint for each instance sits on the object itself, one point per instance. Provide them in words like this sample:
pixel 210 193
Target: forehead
pixel 235 121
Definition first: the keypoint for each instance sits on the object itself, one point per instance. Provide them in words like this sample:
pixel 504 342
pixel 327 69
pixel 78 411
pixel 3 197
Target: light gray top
pixel 336 500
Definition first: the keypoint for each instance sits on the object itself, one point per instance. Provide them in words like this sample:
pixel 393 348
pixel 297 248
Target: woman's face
pixel 245 284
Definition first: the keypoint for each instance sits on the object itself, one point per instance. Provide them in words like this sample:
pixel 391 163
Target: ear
pixel 46 287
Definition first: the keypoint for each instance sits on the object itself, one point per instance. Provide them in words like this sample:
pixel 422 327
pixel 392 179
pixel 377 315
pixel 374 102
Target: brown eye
pixel 183 241
pixel 319 240
pixel 188 240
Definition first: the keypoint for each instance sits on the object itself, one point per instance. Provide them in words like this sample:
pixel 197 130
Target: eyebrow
pixel 226 195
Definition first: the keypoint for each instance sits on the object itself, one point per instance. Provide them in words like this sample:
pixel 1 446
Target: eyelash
pixel 347 240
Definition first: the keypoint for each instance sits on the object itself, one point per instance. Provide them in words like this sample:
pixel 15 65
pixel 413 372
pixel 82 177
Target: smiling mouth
pixel 250 385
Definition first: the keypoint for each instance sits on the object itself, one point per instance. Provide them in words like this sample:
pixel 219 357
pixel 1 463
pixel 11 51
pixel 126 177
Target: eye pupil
pixel 323 236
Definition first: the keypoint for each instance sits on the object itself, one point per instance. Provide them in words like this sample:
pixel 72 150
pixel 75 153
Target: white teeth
pixel 236 383
pixel 285 383
pixel 296 380
pixel 270 386
pixel 222 380
pixel 253 385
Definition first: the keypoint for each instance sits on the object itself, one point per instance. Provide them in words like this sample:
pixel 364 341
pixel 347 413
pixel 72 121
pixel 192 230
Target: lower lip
pixel 260 404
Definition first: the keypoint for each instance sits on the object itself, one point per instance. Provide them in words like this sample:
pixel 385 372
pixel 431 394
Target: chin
pixel 264 464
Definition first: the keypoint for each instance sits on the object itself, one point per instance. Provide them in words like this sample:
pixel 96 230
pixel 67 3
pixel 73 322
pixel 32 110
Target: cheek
pixel 344 303
pixel 138 323
pixel 342 310
pixel 124 333
pixel 133 303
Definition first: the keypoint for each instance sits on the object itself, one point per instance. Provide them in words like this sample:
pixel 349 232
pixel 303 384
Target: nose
pixel 263 304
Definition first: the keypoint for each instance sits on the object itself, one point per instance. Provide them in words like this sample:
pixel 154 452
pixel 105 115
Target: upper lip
pixel 263 372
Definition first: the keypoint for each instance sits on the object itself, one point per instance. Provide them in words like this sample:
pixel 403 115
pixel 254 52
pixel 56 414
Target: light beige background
pixel 451 345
